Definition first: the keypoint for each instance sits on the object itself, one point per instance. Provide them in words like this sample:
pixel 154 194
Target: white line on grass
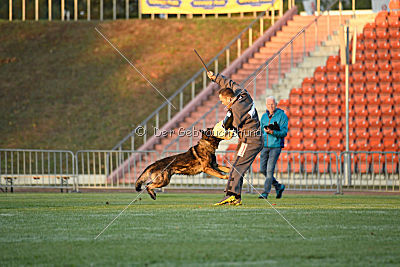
pixel 267 201
pixel 105 38
pixel 133 200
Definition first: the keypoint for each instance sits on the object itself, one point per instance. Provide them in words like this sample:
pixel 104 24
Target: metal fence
pixel 366 170
pixel 37 168
pixel 110 168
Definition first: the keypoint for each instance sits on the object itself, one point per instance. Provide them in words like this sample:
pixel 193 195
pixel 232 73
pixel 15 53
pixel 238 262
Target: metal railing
pixel 188 91
pixel 101 169
pixel 370 170
pixel 37 168
pixel 110 168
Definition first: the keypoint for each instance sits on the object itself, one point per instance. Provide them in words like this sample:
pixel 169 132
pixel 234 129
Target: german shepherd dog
pixel 199 158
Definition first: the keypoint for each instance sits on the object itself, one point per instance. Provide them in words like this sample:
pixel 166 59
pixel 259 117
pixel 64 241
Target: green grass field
pixel 186 230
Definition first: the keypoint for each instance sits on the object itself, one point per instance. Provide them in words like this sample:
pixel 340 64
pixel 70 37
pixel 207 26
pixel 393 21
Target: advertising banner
pixel 206 6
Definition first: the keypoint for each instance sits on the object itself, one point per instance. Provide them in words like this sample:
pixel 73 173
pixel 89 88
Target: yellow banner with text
pixel 206 6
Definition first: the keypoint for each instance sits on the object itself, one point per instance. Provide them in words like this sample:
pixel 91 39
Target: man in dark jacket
pixel 246 124
pixel 274 124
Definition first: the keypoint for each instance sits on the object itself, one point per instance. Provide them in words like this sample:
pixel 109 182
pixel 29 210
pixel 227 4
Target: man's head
pixel 225 96
pixel 271 104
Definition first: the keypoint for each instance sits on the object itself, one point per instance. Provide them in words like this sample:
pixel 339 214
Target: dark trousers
pixel 268 159
pixel 240 166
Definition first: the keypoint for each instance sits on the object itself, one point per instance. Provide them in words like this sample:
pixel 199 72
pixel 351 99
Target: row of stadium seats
pixel 386 111
pixel 337 122
pixel 386 132
pixel 310 88
pixel 339 99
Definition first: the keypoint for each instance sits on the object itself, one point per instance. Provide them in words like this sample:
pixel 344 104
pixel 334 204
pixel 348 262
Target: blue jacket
pixel 277 138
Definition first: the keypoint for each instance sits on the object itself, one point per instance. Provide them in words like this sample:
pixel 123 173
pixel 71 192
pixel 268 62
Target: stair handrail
pixel 156 113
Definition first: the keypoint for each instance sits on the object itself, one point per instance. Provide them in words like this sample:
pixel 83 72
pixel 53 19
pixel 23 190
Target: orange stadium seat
pixel 321 133
pixel 397 121
pixel 351 110
pixel 370 65
pixel 371 54
pixel 336 144
pixel 394 54
pixel 375 132
pixel 320 79
pixel 296 91
pixel 295 144
pixel 396 75
pixel 395 64
pixel 393 21
pixel 295 122
pixel 333 87
pixel 374 121
pixel 359 99
pixel 372 87
pixel 309 133
pixel 386 99
pixel 375 144
pixel 320 88
pixel 385 87
pixel 320 110
pixel 321 122
pixel 387 121
pixel 373 98
pixel 335 133
pixel 389 132
pixel 394 32
pixel 396 110
pixel 309 122
pixel 371 76
pixel 295 111
pixel 394 43
pixel 384 76
pixel 360 46
pixel 360 56
pixel 387 110
pixel 283 103
pixel 322 144
pixel 333 77
pixel 308 110
pixel 309 144
pixel 361 122
pixel 308 90
pixel 320 99
pixel 295 100
pixel 383 54
pixel 361 133
pixel 373 110
pixel 382 33
pixel 358 76
pixel 359 87
pixel 333 59
pixel 334 122
pixel 396 87
pixel 362 144
pixel 295 133
pixel 392 162
pixel 334 110
pixel 389 144
pixel 308 100
pixel 352 145
pixel 384 64
pixel 309 160
pixel 282 165
pixel 333 67
pixel 382 44
pixel 334 99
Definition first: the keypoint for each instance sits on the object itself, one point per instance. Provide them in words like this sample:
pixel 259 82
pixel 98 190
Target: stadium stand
pixel 319 106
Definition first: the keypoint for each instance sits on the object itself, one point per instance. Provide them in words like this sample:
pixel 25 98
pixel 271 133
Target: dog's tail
pixel 142 178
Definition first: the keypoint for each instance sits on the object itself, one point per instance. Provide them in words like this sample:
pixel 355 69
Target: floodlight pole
pixel 347 155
